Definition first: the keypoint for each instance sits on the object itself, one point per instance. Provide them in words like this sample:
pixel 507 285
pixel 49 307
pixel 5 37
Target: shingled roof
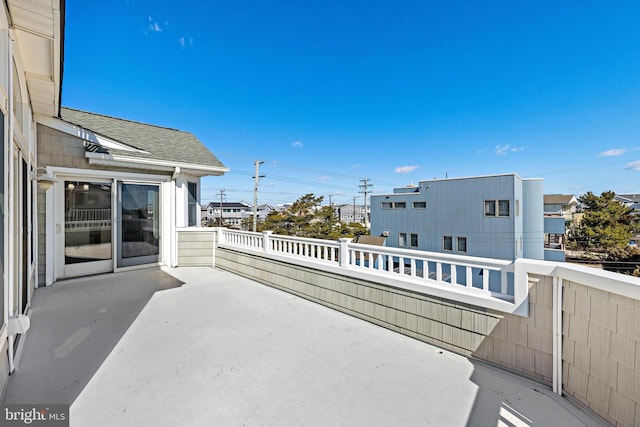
pixel 147 141
pixel 558 199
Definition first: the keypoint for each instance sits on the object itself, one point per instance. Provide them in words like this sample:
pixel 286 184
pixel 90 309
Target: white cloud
pixel 633 166
pixel 297 144
pixel 185 41
pixel 154 25
pixel 613 152
pixel 405 169
pixel 356 166
pixel 501 150
pixel 324 178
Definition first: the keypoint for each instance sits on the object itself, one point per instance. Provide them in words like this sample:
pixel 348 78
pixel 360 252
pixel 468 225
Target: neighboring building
pixel 498 216
pixel 346 213
pixel 264 211
pixel 555 236
pixel 629 200
pixel 564 205
pixel 560 218
pixel 232 213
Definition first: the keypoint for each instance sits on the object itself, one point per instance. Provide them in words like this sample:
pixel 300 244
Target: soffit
pixel 37 26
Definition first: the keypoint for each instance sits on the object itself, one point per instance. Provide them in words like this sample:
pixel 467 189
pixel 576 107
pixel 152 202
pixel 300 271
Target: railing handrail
pixel 305 239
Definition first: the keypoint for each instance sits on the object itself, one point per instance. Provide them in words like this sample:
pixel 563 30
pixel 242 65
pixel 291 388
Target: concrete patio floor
pixel 203 347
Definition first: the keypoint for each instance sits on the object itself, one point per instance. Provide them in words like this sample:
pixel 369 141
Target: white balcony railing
pixel 484 278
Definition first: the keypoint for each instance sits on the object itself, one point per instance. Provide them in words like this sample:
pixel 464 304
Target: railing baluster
pixel 377 260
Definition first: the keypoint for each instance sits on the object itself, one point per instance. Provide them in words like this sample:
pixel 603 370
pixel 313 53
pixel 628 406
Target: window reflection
pixel 140 220
pixel 87 207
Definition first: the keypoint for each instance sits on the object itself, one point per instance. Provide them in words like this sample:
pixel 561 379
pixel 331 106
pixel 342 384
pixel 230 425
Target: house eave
pixel 115 160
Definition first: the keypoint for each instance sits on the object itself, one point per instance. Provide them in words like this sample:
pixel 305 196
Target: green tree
pixel 606 224
pixel 307 218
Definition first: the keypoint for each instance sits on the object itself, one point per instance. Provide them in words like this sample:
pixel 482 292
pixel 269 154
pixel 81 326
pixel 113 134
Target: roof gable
pixel 127 139
pixel 560 199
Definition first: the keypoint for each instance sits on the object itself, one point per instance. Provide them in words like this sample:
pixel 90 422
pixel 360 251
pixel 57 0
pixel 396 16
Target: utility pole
pixel 221 193
pixel 354 209
pixel 365 190
pixel 256 177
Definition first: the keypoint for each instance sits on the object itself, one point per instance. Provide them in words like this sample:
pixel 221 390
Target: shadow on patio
pixel 75 324
pixel 222 349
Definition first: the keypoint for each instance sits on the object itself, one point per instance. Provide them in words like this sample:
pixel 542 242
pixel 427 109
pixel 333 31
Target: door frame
pixel 55 266
pixel 85 268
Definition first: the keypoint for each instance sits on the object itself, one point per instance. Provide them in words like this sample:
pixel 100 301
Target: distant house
pixel 497 216
pixel 564 205
pixel 346 213
pixel 264 210
pixel 560 217
pixel 232 213
pixel 630 200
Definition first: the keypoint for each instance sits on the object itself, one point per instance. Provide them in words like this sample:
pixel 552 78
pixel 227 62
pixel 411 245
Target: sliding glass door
pixel 138 224
pixel 108 224
pixel 87 227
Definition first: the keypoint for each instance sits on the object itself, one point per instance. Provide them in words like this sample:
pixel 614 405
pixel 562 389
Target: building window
pixel 462 244
pixel 414 240
pixel 447 243
pixel 554 241
pixel 393 205
pixel 503 208
pixel 192 188
pixel 496 208
pixel 419 205
pixel 402 239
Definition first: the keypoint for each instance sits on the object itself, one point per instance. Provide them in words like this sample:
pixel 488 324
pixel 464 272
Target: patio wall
pixel 601 352
pixel 196 247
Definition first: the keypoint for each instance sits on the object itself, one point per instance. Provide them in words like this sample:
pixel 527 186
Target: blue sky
pixel 327 93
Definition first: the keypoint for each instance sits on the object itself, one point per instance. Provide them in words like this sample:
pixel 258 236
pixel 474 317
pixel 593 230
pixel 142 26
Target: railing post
pixel 266 241
pixel 221 236
pixel 343 256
